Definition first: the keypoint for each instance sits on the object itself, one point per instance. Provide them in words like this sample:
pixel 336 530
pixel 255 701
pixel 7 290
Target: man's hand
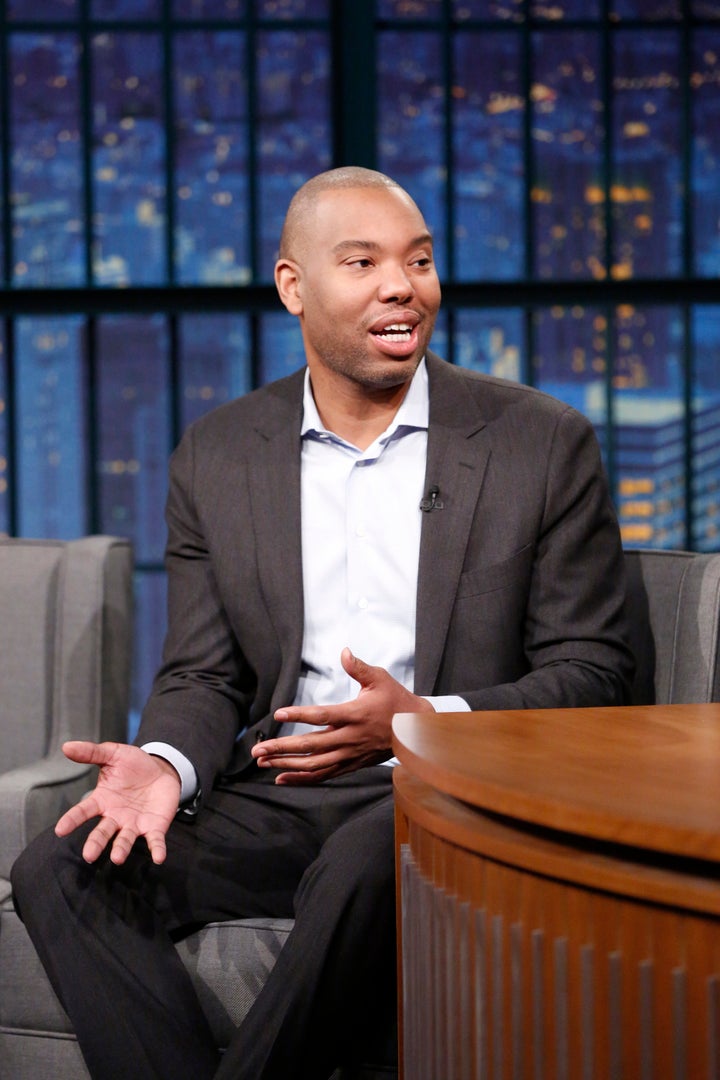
pixel 355 733
pixel 136 795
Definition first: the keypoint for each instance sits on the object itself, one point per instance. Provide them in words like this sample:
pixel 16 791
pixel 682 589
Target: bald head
pixel 296 229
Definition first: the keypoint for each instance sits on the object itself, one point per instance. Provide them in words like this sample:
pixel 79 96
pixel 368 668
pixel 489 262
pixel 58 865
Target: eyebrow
pixel 372 245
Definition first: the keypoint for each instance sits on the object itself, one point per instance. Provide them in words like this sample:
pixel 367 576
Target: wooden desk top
pixel 646 776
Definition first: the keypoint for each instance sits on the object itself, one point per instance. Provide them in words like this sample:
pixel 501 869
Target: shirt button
pixel 363 602
pixel 359 531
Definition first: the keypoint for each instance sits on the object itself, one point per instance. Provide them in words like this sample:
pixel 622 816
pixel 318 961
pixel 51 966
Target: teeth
pixel 396 332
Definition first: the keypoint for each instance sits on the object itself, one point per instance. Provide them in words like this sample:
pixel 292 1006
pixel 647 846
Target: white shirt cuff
pixel 185 768
pixel 448 703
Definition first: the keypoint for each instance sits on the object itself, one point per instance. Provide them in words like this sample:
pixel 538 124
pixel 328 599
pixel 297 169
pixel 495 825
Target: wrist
pixel 166 767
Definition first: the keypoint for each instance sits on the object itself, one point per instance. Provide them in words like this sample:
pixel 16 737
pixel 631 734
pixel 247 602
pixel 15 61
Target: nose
pixel 396 286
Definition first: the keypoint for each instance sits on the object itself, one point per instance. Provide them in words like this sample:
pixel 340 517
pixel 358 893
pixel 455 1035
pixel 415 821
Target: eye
pixel 363 262
pixel 423 261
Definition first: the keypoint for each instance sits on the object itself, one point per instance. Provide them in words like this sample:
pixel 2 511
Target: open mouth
pixel 397 332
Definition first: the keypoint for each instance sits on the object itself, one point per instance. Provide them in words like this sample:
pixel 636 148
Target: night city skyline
pixel 542 154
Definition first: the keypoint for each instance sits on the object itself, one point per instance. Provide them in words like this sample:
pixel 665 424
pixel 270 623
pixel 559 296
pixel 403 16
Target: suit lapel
pixel 456 460
pixel 274 486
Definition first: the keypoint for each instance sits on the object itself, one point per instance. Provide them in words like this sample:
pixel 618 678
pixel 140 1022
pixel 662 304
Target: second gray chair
pixel 674 609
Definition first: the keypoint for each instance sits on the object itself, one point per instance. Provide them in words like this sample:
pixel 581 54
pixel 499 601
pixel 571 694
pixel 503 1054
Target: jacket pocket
pixel 501 575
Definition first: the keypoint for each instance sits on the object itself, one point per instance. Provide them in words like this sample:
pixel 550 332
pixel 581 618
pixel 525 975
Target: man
pixel 382 533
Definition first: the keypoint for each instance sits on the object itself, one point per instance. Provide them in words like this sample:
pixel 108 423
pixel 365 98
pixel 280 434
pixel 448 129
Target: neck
pixel 355 413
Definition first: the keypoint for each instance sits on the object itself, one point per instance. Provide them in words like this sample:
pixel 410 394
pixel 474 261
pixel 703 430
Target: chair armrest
pixel 34 797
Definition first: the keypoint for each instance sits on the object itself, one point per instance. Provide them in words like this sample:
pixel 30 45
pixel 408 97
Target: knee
pixel 361 861
pixel 39 868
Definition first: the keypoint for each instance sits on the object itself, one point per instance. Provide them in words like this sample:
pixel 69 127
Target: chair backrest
pixel 65 634
pixel 674 611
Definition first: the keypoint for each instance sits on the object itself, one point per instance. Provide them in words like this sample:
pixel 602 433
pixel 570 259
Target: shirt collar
pixel 413 414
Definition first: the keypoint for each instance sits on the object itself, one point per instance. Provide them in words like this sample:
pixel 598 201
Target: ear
pixel 287 282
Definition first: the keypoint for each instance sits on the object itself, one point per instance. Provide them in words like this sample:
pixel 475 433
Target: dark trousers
pixel 106 934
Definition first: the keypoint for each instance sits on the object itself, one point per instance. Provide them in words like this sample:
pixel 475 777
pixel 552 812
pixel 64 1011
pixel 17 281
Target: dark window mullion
pixel 353 43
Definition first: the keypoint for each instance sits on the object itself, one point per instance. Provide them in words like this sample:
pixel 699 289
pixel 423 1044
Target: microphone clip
pixel 431 501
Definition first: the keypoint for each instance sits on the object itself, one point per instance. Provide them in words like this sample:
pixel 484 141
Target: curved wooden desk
pixel 559 893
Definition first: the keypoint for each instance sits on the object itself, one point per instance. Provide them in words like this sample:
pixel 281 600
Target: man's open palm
pixel 136 795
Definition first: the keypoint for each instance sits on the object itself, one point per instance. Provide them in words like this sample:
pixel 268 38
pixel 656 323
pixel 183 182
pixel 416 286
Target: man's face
pixel 366 289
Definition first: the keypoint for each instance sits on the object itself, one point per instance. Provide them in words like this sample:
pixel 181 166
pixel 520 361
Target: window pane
pixel 133 435
pixel 208 9
pixel 488 9
pixel 50 387
pixel 46 166
pixel 411 124
pixel 281 347
pixel 4 440
pixel 293 126
pixel 647 172
pixel 150 626
pixel 293 9
pixel 705 149
pixel 568 147
pixel 489 197
pixel 129 160
pixel 706 428
pixel 650 426
pixel 211 147
pixel 646 9
pixel 125 9
pixel 552 10
pixel 215 362
pixel 491 341
pixel 570 356
pixel 410 10
pixel 42 10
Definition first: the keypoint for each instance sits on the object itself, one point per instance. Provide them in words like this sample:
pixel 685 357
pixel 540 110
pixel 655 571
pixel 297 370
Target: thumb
pixel 356 669
pixel 88 752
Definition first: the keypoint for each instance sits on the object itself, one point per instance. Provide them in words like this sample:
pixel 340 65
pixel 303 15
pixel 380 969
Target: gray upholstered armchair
pixel 674 603
pixel 65 634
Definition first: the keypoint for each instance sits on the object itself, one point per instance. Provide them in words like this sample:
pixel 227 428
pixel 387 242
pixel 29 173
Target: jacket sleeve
pixel 574 633
pixel 203 690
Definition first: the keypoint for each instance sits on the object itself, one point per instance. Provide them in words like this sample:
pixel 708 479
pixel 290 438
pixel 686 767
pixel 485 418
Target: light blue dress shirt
pixel 360 525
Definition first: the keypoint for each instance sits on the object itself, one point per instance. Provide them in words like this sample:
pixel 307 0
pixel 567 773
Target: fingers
pixel 76 815
pixel 306 763
pixel 300 750
pixel 107 832
pixel 99 839
pixel 317 715
pixel 157 847
pixel 305 779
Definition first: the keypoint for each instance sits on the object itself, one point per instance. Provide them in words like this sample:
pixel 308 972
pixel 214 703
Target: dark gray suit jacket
pixel 520 585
